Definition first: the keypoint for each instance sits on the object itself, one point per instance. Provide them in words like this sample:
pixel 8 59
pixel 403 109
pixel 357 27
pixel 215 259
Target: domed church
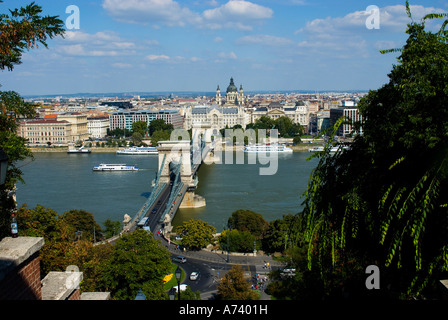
pixel 233 96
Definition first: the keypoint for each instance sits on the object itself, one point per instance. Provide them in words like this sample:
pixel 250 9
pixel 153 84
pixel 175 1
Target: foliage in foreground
pixel 383 202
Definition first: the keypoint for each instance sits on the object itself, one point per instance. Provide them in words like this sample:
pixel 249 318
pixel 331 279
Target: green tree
pixel 119 133
pixel 93 265
pixel 81 220
pixel 282 233
pixel 61 247
pixel 284 126
pixel 264 122
pixel 112 228
pixel 137 138
pixel 137 262
pixel 233 286
pixel 382 202
pixel 140 127
pixel 234 240
pixel 159 135
pixel 159 125
pixel 189 294
pixel 196 234
pixel 38 222
pixel 22 29
pixel 247 220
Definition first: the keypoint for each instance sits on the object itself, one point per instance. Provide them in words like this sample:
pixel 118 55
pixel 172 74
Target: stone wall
pixel 20 268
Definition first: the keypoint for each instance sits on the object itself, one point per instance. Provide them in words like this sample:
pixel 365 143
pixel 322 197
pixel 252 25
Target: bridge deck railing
pixel 177 186
pixel 157 189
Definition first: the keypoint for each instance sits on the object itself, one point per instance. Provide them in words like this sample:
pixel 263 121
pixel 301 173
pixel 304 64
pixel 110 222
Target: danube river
pixel 63 182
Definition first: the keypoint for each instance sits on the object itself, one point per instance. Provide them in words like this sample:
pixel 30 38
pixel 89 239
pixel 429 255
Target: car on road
pixel 154 210
pixel 180 259
pixel 183 287
pixel 194 276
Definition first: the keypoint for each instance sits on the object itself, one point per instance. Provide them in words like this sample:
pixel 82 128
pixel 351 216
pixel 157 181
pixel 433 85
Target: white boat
pixel 78 150
pixel 115 167
pixel 333 149
pixel 267 148
pixel 139 151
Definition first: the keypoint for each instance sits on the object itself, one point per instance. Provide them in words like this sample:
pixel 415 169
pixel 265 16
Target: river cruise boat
pixel 263 148
pixel 139 151
pixel 115 167
pixel 333 149
pixel 78 150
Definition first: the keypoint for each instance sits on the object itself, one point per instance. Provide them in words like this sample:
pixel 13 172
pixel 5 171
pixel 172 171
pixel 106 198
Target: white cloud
pixel 155 57
pixel 79 36
pixel 227 55
pixel 121 65
pixel 236 14
pixel 224 57
pixel 171 59
pixel 392 18
pixel 167 12
pixel 348 37
pixel 265 40
pixel 104 43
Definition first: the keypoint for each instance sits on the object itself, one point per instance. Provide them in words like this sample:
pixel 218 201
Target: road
pixel 159 206
pixel 210 274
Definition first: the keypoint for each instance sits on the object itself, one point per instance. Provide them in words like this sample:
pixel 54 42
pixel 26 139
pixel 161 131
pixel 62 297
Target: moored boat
pixel 78 150
pixel 267 148
pixel 139 151
pixel 332 149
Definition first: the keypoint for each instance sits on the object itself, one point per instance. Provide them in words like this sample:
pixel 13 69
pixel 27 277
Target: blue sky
pixel 195 45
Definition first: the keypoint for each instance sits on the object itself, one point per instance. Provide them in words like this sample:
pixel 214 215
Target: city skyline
pixel 166 45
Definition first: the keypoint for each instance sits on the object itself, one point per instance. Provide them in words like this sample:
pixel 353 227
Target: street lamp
pixel 178 274
pixel 172 293
pixel 3 167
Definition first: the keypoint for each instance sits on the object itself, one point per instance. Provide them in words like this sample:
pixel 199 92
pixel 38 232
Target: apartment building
pixel 125 119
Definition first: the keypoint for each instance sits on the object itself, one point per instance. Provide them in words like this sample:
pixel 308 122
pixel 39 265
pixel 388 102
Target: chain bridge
pixel 176 180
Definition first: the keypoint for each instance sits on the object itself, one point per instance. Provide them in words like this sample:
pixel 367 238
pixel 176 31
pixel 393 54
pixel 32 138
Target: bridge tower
pixel 177 152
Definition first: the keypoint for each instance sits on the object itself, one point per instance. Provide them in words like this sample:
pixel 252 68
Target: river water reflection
pixel 63 181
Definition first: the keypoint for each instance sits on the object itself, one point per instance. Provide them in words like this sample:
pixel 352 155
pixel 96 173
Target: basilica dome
pixel 232 87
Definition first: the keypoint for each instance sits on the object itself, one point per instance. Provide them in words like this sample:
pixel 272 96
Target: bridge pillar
pixel 173 150
pixel 192 200
pixel 202 132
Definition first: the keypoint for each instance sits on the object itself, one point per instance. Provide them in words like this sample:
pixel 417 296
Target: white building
pixel 46 131
pixel 218 117
pixel 352 116
pixel 97 127
pixel 298 113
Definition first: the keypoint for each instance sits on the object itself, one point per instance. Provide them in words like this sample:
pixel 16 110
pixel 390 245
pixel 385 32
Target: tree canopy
pixel 137 262
pixel 22 29
pixel 196 234
pixel 233 286
pixel 383 202
pixel 250 221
